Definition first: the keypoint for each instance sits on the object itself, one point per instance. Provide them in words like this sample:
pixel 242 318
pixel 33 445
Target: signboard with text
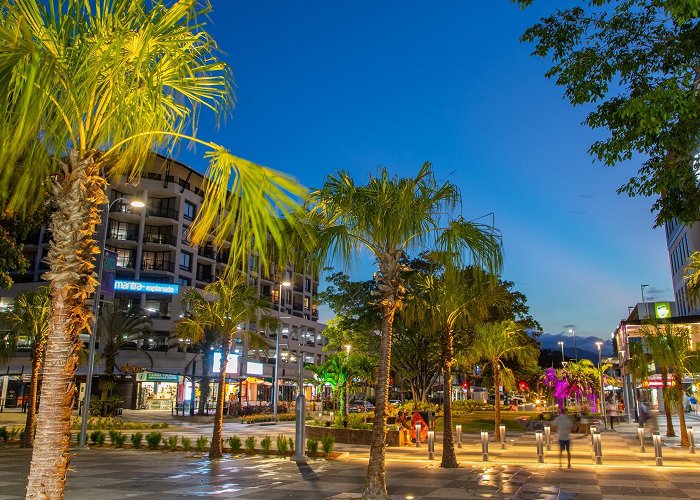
pixel 662 310
pixel 156 377
pixel 147 287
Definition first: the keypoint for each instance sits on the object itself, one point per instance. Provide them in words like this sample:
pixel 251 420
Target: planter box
pixel 353 436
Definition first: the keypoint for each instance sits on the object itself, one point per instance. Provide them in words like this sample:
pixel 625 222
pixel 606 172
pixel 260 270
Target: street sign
pixel 147 287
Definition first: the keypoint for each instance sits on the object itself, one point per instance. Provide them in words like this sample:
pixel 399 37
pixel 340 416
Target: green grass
pixel 485 420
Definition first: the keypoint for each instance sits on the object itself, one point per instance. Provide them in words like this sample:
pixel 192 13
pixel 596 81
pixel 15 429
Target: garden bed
pixel 353 436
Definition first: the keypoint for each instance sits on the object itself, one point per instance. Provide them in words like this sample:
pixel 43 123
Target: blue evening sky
pixel 328 85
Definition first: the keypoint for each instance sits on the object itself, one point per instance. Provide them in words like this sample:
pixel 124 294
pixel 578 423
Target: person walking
pixel 611 407
pixel 563 425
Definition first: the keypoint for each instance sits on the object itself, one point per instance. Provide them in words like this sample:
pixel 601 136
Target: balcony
pixel 122 208
pixel 205 275
pixel 128 263
pixel 157 266
pixel 167 213
pixel 207 252
pixel 223 256
pixel 160 238
pixel 123 234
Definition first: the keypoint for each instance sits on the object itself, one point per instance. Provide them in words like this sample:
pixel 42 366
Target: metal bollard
pixel 502 431
pixel 548 437
pixel 691 439
pixel 657 448
pixel 418 429
pixel 459 435
pixel 485 445
pixel 640 435
pixel 431 444
pixel 540 447
pixel 593 429
pixel 598 448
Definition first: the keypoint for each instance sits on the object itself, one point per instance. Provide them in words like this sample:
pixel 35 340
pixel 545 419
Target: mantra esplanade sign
pixel 146 287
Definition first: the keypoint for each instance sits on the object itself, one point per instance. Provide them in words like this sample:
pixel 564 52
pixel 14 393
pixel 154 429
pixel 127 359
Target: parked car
pixel 394 402
pixel 360 407
pixel 492 399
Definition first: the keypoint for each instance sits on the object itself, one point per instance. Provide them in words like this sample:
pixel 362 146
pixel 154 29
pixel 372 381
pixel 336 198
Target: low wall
pixel 353 436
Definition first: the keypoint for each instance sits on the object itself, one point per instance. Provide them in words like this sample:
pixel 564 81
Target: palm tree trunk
pixel 670 432
pixel 449 459
pixel 204 383
pixel 341 402
pixel 497 400
pixel 375 483
pixel 216 449
pixel 78 196
pixel 678 379
pixel 28 435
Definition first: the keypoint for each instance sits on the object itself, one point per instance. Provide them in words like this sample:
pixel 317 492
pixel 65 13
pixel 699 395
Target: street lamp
pixel 95 310
pixel 572 330
pixel 275 392
pixel 599 345
pixel 643 287
pixel 561 344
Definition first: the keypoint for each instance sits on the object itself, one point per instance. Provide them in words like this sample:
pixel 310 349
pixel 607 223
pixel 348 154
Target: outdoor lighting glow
pixel 286 283
pixel 137 204
pixel 347 347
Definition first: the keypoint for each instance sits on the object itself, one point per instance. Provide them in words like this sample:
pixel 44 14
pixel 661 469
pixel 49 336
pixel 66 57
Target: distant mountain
pixel 585 345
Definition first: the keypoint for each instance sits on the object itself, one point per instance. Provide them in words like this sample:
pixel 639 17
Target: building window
pixel 184 281
pixel 307 302
pixel 184 236
pixel 186 261
pixel 190 211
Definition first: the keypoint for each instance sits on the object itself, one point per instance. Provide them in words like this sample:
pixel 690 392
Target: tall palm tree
pixel 684 359
pixel 495 343
pixel 224 306
pixel 29 321
pixel 692 277
pixel 450 303
pixel 88 90
pixel 387 217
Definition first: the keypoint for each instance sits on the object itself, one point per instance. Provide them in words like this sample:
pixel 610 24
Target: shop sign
pixel 147 287
pixel 662 310
pixel 156 377
pixel 657 384
pixel 254 368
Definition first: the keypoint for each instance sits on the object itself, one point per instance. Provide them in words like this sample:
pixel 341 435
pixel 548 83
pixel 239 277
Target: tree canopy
pixel 636 62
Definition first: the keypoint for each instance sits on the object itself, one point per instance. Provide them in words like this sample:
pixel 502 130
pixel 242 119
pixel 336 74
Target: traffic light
pixel 522 385
pixel 465 385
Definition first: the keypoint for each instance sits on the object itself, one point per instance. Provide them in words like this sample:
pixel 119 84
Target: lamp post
pixel 642 287
pixel 599 345
pixel 95 310
pixel 275 391
pixel 561 344
pixel 299 456
pixel 347 360
pixel 573 332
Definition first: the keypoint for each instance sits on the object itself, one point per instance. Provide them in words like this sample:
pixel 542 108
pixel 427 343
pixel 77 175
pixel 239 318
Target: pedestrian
pixel 563 426
pixel 694 404
pixel 612 413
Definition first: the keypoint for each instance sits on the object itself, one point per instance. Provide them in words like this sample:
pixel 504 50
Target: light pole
pixel 299 456
pixel 643 287
pixel 275 392
pixel 561 344
pixel 599 345
pixel 347 360
pixel 573 332
pixel 95 311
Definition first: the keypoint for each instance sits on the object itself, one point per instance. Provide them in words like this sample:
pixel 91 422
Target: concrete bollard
pixel 593 429
pixel 548 437
pixel 598 448
pixel 431 444
pixel 657 448
pixel 691 439
pixel 640 436
pixel 418 429
pixel 502 431
pixel 485 446
pixel 540 447
pixel 458 428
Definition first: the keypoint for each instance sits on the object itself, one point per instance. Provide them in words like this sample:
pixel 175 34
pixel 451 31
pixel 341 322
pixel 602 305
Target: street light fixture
pixel 643 287
pixel 136 203
pixel 275 391
pixel 572 330
pixel 599 345
pixel 561 344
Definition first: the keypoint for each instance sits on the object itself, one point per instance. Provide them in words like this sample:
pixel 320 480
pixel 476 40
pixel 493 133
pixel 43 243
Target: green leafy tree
pixel 636 63
pixel 222 307
pixel 387 217
pixel 88 91
pixel 692 278
pixel 120 326
pixel 336 371
pixel 493 344
pixel 29 323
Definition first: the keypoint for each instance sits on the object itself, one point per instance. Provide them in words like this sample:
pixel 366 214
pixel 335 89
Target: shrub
pixel 357 421
pixel 15 431
pixel 235 443
pixel 266 444
pixel 153 439
pixel 328 443
pixel 250 443
pixel 170 442
pixel 4 434
pixel 137 439
pixel 282 444
pixel 118 439
pixel 186 443
pixel 290 441
pixel 281 417
pixel 97 437
pixel 107 423
pixel 312 446
pixel 202 443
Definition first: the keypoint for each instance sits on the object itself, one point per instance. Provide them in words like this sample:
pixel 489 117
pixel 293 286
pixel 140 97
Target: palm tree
pixel 684 359
pixel 389 216
pixel 692 277
pixel 336 372
pixel 29 320
pixel 119 326
pixel 223 307
pixel 450 303
pixel 88 91
pixel 495 343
